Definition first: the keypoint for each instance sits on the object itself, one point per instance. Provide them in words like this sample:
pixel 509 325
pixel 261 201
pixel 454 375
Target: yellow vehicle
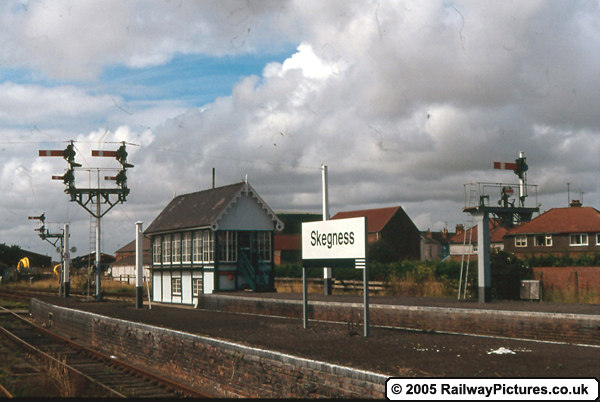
pixel 23 263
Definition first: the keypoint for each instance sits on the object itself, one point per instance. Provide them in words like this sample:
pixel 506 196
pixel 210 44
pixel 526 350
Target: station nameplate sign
pixel 334 239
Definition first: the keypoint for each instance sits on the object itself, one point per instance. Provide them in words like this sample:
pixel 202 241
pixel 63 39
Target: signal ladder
pixel 467 247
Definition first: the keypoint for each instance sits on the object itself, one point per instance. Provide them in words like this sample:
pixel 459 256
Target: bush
pixel 507 273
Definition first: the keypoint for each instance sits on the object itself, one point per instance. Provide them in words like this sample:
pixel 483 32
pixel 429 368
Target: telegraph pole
pixel 86 196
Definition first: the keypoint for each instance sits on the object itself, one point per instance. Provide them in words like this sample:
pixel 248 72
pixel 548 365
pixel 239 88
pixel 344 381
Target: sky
pixel 405 102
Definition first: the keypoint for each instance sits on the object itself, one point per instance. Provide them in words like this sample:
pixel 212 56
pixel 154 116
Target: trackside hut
pixel 219 239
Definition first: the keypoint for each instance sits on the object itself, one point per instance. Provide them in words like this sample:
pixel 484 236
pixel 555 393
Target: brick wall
pixel 569 278
pixel 215 367
pixel 572 328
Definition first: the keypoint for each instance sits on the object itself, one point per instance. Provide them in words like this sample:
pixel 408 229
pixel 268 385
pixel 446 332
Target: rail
pixel 129 370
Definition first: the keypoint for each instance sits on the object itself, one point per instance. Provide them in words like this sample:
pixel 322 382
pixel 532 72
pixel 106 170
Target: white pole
pixel 139 266
pixel 66 260
pixel 327 281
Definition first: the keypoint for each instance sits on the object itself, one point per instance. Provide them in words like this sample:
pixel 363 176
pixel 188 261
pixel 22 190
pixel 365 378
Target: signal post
pixel 86 197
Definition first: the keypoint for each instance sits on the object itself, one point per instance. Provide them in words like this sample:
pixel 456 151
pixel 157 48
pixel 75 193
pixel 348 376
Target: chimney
pixel 460 228
pixel 575 203
pixel 445 232
pixel 429 234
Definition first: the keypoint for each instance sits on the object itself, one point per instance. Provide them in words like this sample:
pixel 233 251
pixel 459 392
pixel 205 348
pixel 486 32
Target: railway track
pixel 108 375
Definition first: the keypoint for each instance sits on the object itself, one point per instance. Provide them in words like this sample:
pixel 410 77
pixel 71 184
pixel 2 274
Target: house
pixel 459 243
pixel 435 245
pixel 393 227
pixel 123 269
pixel 574 229
pixel 288 243
pixel 214 240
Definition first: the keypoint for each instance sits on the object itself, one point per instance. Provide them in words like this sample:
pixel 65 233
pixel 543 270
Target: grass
pixel 78 285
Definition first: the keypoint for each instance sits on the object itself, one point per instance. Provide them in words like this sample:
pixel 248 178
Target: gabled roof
pixel 376 218
pixel 130 247
pixel 203 209
pixel 293 220
pixel 496 233
pixel 562 220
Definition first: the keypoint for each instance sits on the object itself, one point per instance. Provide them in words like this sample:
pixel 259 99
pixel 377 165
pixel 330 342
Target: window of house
pixel 186 247
pixel 597 239
pixel 208 246
pixel 176 286
pixel 520 241
pixel 197 286
pixel 166 249
pixel 579 239
pixel 198 246
pixel 543 240
pixel 177 248
pixel 262 244
pixel 156 250
pixel 228 246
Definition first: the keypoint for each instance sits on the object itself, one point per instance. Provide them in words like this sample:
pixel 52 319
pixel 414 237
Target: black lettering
pixel 351 237
pixel 313 238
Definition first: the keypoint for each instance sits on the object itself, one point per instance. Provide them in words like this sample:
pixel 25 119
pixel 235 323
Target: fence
pixel 339 284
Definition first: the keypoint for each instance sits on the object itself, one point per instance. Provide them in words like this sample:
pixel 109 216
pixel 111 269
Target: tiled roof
pixel 293 221
pixel 130 247
pixel 376 218
pixel 202 208
pixel 562 220
pixel 496 234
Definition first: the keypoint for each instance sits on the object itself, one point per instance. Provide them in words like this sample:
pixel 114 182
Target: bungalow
pixel 213 240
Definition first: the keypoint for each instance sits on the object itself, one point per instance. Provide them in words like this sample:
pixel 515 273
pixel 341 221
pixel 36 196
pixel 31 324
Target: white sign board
pixel 334 239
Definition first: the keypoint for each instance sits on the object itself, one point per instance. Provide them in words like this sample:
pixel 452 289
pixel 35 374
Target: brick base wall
pixel 215 367
pixel 571 328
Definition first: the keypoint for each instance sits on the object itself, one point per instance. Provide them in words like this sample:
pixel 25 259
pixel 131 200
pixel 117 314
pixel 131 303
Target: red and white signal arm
pixel 508 191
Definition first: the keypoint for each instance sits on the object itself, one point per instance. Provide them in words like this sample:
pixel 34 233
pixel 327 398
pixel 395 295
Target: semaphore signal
pixel 87 197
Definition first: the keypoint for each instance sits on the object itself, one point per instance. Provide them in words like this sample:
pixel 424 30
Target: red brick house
pixel 391 225
pixel 460 246
pixel 574 230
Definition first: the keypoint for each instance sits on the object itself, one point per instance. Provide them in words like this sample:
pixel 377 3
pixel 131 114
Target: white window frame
pixel 176 286
pixel 156 256
pixel 542 240
pixel 228 246
pixel 186 248
pixel 197 246
pixel 597 239
pixel 166 249
pixel 521 241
pixel 196 286
pixel 208 246
pixel 176 255
pixel 262 244
pixel 583 239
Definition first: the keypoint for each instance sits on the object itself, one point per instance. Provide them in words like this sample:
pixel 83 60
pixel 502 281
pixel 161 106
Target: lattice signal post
pixel 508 214
pixel 86 197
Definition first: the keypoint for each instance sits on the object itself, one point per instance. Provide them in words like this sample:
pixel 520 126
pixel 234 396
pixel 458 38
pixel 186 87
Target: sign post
pixel 336 243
